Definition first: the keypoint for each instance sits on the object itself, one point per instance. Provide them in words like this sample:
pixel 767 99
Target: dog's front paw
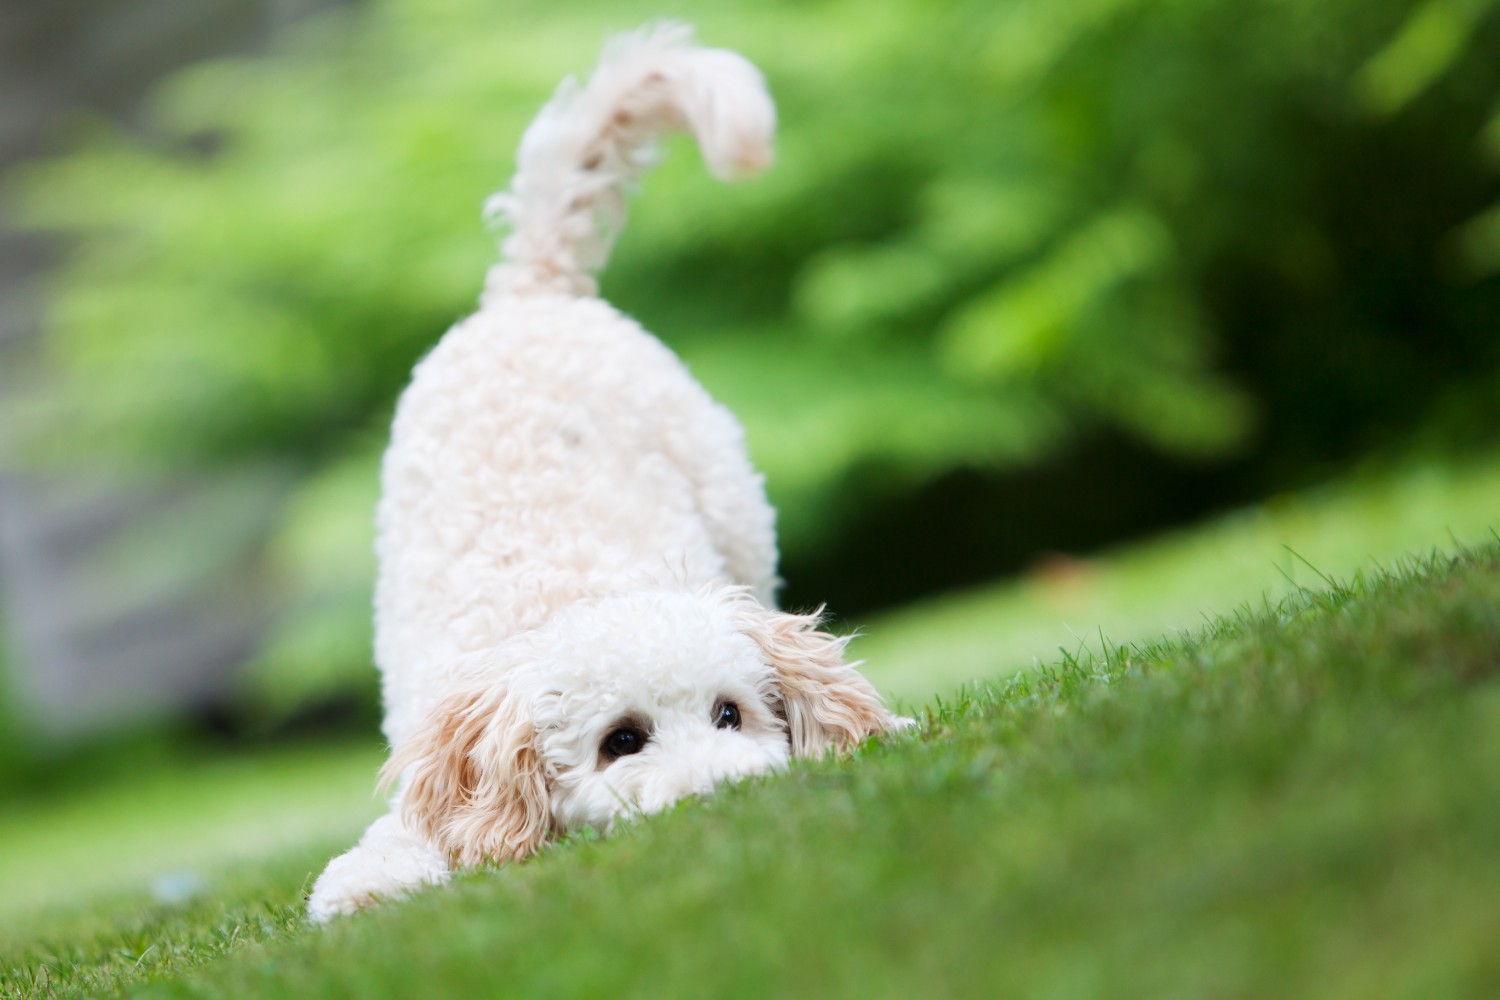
pixel 379 868
pixel 345 887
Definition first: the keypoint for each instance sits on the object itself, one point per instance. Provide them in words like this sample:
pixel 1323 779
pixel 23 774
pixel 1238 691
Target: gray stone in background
pixel 119 602
pixel 129 603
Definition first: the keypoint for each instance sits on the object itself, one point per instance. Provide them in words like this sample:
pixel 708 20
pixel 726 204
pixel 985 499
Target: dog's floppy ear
pixel 473 780
pixel 828 703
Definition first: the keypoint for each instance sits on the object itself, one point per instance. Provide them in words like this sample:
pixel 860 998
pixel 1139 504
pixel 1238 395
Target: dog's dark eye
pixel 623 742
pixel 727 715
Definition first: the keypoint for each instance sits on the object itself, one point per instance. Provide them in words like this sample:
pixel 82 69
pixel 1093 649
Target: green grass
pixel 158 865
pixel 1297 800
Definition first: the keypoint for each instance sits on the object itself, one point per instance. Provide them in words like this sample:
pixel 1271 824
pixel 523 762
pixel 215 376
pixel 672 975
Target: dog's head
pixel 624 706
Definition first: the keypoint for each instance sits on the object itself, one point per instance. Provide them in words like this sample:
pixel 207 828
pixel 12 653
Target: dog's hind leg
pixel 706 443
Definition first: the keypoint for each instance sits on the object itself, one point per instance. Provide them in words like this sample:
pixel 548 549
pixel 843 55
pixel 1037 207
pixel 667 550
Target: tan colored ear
pixel 473 780
pixel 828 703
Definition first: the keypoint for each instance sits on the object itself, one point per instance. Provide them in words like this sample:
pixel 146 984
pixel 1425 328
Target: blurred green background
pixel 1030 279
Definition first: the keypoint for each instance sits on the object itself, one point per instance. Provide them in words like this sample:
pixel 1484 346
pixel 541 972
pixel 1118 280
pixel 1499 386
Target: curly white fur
pixel 590 144
pixel 572 539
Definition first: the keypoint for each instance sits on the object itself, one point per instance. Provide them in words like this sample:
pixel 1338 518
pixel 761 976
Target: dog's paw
pixel 346 886
pixel 379 868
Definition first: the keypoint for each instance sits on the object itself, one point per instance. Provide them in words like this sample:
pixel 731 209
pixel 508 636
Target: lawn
pixel 1293 800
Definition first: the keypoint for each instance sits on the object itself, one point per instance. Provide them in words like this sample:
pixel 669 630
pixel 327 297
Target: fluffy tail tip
pixel 590 144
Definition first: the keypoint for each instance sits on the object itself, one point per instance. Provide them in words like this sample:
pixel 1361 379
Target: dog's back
pixel 549 450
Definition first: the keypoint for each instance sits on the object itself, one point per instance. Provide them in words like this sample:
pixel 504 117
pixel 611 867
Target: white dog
pixel 574 613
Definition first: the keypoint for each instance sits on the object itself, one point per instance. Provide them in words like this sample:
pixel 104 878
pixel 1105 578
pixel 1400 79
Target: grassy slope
pixel 1298 801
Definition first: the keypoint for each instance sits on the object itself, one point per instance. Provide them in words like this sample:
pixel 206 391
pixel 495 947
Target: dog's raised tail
pixel 581 156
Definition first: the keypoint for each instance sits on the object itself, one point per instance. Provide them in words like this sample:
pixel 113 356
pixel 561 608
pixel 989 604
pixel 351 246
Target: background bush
pixel 1028 276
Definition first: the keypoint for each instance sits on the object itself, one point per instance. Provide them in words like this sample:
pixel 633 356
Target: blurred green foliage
pixel 1263 236
pixel 12 751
